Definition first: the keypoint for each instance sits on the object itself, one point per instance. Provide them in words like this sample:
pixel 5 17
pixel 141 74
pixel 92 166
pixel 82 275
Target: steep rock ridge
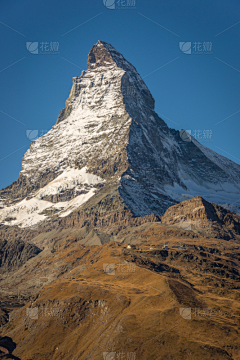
pixel 96 131
pixel 109 130
pixel 205 218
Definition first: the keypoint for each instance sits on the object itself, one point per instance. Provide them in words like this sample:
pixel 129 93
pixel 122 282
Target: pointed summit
pixel 104 54
pixel 100 55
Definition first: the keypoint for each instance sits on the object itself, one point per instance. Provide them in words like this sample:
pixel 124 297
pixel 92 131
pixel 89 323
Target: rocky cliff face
pixel 14 254
pixel 108 134
pixel 205 218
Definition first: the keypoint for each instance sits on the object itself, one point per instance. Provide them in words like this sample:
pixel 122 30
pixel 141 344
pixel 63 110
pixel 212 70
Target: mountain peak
pixel 100 55
pixel 104 54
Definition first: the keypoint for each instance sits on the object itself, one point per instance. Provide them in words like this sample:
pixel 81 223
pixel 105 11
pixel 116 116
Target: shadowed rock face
pixel 7 346
pixel 14 254
pixel 98 56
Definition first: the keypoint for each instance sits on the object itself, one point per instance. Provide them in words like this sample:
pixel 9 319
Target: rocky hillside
pixel 89 302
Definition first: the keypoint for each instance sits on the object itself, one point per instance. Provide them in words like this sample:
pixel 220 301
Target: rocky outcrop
pixel 206 218
pixel 14 254
pixel 111 223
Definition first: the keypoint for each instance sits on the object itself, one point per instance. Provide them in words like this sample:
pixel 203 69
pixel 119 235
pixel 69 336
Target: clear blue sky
pixel 192 92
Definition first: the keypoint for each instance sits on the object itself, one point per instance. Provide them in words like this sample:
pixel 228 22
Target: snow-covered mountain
pixel 109 133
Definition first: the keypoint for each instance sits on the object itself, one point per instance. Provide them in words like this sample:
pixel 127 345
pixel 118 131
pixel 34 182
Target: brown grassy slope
pixel 84 312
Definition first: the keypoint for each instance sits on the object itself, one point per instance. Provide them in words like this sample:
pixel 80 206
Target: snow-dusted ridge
pixel 29 212
pixel 68 180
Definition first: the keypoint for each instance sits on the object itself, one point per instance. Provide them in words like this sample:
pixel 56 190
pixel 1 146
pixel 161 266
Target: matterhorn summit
pixel 110 150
